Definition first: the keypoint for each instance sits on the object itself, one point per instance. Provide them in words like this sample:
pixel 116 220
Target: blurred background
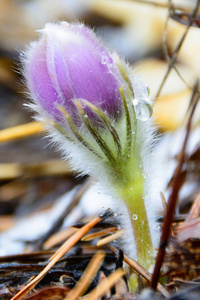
pixel 147 34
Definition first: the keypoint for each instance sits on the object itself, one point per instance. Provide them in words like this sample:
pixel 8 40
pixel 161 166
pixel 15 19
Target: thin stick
pixel 165 48
pixel 178 47
pixel 173 197
pixel 59 253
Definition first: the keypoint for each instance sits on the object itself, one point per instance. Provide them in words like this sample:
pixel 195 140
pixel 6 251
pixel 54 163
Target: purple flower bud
pixel 68 62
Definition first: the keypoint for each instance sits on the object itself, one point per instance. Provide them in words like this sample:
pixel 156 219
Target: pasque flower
pixel 69 63
pixel 99 113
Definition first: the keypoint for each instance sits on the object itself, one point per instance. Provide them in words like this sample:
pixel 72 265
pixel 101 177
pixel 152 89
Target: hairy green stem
pixel 132 195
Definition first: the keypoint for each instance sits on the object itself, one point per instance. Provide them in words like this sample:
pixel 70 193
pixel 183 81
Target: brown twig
pixel 164 42
pixel 178 47
pixel 173 197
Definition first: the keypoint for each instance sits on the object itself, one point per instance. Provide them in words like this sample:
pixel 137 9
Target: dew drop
pixel 143 109
pixel 85 116
pixel 134 217
pixel 64 24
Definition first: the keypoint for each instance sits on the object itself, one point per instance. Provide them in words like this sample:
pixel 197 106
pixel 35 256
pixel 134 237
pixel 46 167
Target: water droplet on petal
pixel 85 116
pixel 143 109
pixel 134 217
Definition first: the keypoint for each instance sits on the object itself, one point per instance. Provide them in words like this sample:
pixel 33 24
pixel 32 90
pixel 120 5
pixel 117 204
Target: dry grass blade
pixel 59 253
pixel 105 285
pixel 75 238
pixel 87 276
pixel 20 131
pixel 99 234
pixel 58 237
pixel 10 171
pixel 102 277
pixel 46 168
pixel 142 271
pixel 110 238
